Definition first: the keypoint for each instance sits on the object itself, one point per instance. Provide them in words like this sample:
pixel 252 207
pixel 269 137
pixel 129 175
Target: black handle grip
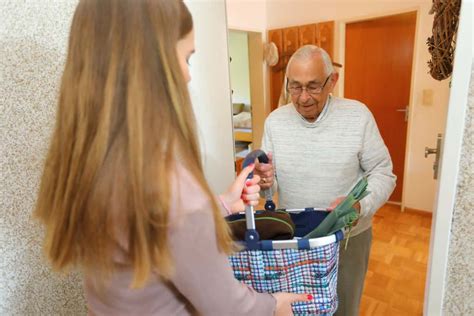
pixel 250 159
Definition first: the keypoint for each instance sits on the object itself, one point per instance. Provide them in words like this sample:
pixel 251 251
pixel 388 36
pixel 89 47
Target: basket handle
pixel 263 158
pixel 251 235
pixel 250 159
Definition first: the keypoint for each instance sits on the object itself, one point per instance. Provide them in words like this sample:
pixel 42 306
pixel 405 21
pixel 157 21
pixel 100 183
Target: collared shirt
pixel 320 117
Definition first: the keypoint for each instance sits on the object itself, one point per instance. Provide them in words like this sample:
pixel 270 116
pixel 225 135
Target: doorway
pixel 240 90
pixel 247 84
pixel 378 71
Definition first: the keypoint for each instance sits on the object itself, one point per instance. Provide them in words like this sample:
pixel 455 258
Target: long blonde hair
pixel 123 116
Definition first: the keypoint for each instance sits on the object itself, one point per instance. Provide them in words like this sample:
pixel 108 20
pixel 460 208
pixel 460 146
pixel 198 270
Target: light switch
pixel 427 97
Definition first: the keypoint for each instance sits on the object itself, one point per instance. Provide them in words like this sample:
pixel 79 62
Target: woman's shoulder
pixel 187 194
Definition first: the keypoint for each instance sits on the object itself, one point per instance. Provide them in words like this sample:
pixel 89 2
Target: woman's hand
pixel 242 191
pixel 284 300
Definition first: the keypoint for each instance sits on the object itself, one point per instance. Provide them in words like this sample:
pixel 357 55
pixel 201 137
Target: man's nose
pixel 304 95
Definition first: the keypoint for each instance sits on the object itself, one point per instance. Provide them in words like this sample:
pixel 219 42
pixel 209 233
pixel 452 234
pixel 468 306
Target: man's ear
pixel 335 77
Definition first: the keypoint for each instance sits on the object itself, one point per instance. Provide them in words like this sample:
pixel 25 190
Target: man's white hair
pixel 308 52
pixel 305 53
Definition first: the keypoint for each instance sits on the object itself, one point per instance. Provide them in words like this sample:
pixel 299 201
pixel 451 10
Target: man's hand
pixel 336 202
pixel 266 173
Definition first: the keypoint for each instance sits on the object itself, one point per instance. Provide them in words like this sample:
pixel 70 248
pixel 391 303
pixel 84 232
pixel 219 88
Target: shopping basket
pixel 298 265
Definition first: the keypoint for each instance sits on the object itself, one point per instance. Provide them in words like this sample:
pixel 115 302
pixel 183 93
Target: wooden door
pixel 276 72
pixel 289 38
pixel 290 41
pixel 325 35
pixel 378 66
pixel 307 34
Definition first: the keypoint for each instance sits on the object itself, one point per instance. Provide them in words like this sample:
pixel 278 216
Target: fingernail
pixel 310 297
pixel 247 183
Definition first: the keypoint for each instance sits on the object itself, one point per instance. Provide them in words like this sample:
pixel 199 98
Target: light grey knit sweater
pixel 317 162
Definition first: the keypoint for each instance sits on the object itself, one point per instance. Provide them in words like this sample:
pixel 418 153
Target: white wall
pixel 239 66
pixel 251 15
pixel 210 91
pixel 247 15
pixel 425 121
pixel 283 13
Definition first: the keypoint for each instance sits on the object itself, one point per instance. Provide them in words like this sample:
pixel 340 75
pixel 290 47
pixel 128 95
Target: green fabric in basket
pixel 344 215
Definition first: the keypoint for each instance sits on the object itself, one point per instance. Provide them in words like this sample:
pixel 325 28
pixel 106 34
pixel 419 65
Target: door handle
pixel 429 151
pixel 406 110
pixel 437 152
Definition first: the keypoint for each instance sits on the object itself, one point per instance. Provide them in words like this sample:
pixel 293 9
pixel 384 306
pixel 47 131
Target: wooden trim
pixel 243 136
pixel 257 87
pixel 394 203
pixel 418 212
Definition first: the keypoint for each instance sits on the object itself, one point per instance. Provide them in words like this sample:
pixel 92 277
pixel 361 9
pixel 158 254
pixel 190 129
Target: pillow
pixel 237 108
pixel 242 120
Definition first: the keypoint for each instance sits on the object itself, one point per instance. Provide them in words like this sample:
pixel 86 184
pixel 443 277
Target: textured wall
pixel 459 297
pixel 33 40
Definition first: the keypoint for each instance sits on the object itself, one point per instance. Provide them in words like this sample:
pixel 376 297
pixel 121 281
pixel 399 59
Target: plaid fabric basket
pixel 302 265
pixel 312 271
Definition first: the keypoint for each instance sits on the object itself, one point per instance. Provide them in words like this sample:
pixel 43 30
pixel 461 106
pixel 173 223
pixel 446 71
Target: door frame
pixel 450 157
pixel 449 165
pixel 259 107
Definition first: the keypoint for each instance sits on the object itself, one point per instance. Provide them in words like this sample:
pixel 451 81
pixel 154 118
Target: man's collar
pixel 320 117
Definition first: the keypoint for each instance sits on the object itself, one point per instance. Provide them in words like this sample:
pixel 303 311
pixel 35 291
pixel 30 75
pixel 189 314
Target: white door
pixel 449 165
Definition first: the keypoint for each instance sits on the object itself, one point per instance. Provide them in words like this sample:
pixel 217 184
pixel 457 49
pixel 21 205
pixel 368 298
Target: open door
pixel 378 71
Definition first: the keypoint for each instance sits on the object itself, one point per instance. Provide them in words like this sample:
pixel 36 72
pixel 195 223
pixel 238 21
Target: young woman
pixel 123 195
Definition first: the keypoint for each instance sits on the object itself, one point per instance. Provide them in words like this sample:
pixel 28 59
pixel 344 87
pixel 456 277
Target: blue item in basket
pixel 307 220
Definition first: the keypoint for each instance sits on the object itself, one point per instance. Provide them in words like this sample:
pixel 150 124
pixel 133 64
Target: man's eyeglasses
pixel 295 89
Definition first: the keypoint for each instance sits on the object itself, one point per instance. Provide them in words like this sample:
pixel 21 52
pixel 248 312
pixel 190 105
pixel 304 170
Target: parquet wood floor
pixel 395 281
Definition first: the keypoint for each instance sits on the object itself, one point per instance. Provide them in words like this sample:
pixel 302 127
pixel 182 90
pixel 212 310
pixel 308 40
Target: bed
pixel 243 127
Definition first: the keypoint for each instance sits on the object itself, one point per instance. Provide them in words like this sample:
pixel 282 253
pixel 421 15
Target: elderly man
pixel 320 147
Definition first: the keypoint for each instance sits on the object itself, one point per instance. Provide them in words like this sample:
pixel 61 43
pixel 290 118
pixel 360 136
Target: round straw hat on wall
pixel 270 54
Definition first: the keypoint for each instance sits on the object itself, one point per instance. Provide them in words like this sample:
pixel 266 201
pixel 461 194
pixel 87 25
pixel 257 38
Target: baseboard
pixel 418 212
pixel 394 203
